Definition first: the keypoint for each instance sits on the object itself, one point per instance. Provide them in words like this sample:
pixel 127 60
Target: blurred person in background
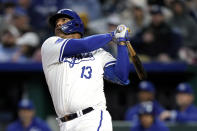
pixel 28 44
pixel 21 21
pixel 85 20
pixel 192 7
pixel 136 15
pixel 90 7
pixel 8 13
pixel 112 22
pixel 8 48
pixel 186 26
pixel 157 41
pixel 113 6
pixel 187 111
pixel 27 120
pixel 140 19
pixel 6 18
pixel 146 93
pixel 147 119
pixel 35 17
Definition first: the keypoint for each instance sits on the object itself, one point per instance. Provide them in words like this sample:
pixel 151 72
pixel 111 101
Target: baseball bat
pixel 136 62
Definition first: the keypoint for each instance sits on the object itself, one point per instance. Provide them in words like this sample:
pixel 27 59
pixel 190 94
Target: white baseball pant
pixel 96 120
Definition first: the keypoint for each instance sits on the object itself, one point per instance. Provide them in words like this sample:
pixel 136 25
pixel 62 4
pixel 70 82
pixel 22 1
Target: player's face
pixel 58 32
pixel 184 99
pixel 145 96
pixel 146 120
pixel 59 23
pixel 26 115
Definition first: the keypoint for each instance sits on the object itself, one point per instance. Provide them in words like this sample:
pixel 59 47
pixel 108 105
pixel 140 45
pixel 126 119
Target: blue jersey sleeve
pixel 185 117
pixel 86 44
pixel 119 71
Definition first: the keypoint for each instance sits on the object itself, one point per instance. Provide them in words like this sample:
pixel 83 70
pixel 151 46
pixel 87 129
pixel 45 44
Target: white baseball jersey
pixel 75 83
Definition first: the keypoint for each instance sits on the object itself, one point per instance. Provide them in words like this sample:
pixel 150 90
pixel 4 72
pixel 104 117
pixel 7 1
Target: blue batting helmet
pixel 75 25
pixel 146 86
pixel 26 104
pixel 184 88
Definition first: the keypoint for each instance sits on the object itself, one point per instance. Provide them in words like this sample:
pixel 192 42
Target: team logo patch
pixel 79 58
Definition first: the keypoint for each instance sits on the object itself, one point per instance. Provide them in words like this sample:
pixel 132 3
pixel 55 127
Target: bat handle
pixel 130 48
pixel 136 61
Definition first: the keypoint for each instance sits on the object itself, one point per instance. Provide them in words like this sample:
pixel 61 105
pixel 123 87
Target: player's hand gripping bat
pixel 136 61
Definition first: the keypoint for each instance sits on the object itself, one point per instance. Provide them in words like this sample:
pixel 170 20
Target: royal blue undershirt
pixel 118 72
pixel 86 44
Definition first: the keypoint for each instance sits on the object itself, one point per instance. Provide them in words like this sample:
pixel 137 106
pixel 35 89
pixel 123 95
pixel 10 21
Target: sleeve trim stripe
pixel 62 49
pixel 109 63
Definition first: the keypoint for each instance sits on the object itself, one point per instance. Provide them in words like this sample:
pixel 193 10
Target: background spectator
pixel 21 21
pixel 157 40
pixel 186 111
pixel 186 26
pixel 146 93
pixel 28 44
pixel 192 6
pixel 27 120
pixel 90 7
pixel 147 119
pixel 136 15
pixel 8 48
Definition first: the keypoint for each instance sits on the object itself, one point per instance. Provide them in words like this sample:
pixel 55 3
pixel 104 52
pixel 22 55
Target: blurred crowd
pixel 162 30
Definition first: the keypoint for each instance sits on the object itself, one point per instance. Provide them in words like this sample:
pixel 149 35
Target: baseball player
pixel 147 119
pixel 186 111
pixel 146 93
pixel 27 120
pixel 74 68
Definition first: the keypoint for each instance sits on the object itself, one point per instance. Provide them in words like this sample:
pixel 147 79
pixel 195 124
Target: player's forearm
pixel 87 44
pixel 121 68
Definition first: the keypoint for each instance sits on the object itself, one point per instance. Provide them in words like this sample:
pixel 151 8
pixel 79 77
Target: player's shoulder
pixel 52 39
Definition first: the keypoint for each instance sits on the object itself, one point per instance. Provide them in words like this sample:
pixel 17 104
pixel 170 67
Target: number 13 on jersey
pixel 86 72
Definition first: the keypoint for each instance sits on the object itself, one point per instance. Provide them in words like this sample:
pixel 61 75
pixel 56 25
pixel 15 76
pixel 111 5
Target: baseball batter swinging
pixel 74 68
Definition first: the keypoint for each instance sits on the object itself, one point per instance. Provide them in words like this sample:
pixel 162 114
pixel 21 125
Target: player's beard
pixel 59 32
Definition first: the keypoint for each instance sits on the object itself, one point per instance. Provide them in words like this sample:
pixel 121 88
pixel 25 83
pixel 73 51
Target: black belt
pixel 74 115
